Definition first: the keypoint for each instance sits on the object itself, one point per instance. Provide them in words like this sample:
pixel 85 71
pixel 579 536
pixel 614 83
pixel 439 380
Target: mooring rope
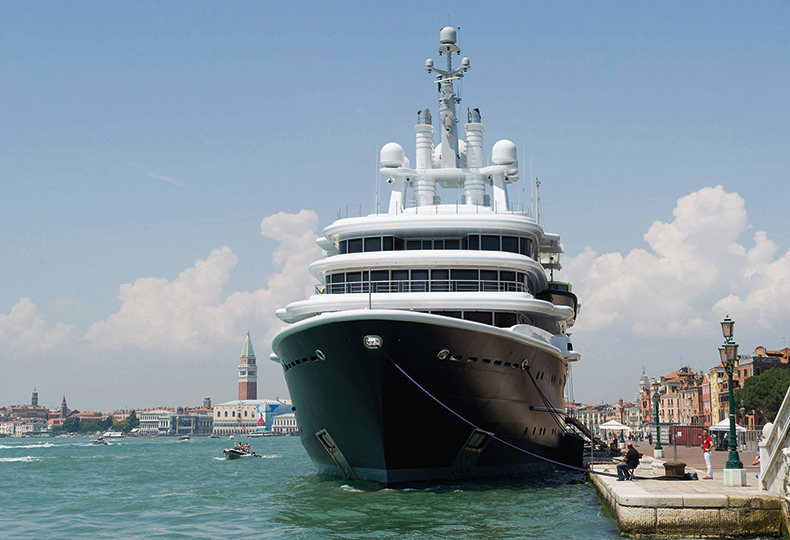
pixel 491 434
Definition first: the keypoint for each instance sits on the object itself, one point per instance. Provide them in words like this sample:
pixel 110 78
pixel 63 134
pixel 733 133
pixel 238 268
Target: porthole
pixel 444 353
pixel 320 354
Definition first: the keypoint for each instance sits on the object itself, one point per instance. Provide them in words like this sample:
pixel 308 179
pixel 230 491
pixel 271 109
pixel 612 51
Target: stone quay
pixel 662 508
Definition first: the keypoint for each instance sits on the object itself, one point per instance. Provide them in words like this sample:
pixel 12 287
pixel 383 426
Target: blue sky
pixel 137 139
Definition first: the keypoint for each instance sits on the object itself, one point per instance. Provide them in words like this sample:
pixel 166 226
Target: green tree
pixel 90 425
pixel 764 392
pixel 132 421
pixel 71 424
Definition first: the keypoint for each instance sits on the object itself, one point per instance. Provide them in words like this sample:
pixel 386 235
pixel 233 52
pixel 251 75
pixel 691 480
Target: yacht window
pixel 504 320
pixel 452 244
pixel 426 244
pixel 510 244
pixel 474 242
pixel 353 280
pixel 380 275
pixel 440 280
pixel 489 280
pixel 355 245
pixel 489 243
pixel 373 244
pixel 400 275
pixel 453 314
pixel 387 243
pixel 413 244
pixel 524 246
pixel 419 280
pixel 342 247
pixel 337 281
pixel 398 244
pixel 465 280
pixel 465 243
pixel 485 317
pixel 438 244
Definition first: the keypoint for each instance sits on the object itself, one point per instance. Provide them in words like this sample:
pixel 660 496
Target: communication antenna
pixel 537 201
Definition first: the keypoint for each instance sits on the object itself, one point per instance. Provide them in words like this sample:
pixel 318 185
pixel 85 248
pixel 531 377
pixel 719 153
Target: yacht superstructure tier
pixel 400 292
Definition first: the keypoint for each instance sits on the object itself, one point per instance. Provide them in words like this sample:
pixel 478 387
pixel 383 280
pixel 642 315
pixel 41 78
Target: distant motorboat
pixel 183 438
pixel 113 434
pixel 99 441
pixel 232 453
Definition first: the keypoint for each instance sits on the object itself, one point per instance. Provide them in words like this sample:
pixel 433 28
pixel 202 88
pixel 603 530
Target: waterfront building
pixel 285 424
pixel 119 415
pixel 248 372
pixel 34 398
pixel 715 375
pixel 705 401
pixel 207 403
pixel 248 416
pixel 7 428
pixel 149 421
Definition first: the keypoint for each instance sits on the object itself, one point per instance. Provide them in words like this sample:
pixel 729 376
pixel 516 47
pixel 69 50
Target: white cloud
pixel 165 178
pixel 694 272
pixel 24 334
pixel 191 313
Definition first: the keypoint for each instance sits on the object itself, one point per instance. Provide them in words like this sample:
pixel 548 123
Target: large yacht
pixel 435 346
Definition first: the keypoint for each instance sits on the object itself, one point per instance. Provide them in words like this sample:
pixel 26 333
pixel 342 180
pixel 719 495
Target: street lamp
pixel 658 450
pixel 729 355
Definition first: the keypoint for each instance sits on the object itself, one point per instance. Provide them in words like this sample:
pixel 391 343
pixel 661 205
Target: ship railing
pixel 421 285
pixel 357 210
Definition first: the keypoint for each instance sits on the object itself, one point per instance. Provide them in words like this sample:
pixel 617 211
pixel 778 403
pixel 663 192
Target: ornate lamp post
pixel 729 355
pixel 658 451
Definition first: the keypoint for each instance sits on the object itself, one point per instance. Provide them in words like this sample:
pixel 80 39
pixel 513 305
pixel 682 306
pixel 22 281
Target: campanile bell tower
pixel 248 371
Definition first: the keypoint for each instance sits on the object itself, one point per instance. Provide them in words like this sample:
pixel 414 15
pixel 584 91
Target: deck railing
pixel 357 210
pixel 421 285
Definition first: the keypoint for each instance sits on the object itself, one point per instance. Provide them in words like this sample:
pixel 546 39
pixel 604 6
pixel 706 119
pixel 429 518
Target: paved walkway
pixel 678 508
pixel 692 457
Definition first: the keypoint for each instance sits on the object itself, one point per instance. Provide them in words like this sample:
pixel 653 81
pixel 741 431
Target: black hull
pixel 361 417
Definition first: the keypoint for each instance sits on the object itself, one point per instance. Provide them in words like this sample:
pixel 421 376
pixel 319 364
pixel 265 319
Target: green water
pixel 163 488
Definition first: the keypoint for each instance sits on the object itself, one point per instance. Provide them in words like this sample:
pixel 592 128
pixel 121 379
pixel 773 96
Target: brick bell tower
pixel 248 371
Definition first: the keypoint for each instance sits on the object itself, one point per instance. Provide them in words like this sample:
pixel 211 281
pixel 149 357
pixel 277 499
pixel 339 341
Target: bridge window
pixel 489 243
pixel 355 245
pixel 510 244
pixel 373 244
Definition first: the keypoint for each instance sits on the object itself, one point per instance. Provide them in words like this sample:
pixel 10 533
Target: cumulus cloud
pixel 24 334
pixel 694 272
pixel 192 314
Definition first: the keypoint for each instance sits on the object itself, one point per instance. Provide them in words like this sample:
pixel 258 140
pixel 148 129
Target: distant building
pixel 285 424
pixel 34 399
pixel 248 416
pixel 207 402
pixel 248 372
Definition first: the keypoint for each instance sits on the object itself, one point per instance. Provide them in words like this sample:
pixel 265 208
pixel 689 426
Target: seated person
pixel 630 462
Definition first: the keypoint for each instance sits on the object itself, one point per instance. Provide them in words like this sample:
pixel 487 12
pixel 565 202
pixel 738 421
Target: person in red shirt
pixel 707 446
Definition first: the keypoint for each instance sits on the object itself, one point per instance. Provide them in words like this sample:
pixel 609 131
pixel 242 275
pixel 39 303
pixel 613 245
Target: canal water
pixel 66 487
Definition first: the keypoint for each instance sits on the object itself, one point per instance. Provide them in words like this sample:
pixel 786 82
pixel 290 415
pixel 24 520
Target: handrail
pixel 774 445
pixel 356 210
pixel 421 285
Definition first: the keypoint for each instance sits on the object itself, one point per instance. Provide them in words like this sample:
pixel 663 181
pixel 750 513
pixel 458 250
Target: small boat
pixel 99 441
pixel 232 453
pixel 183 438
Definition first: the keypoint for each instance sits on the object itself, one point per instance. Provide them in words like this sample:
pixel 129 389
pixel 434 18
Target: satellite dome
pixel 504 153
pixel 447 36
pixel 392 155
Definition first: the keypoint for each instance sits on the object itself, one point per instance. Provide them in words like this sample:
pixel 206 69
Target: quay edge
pixel 664 509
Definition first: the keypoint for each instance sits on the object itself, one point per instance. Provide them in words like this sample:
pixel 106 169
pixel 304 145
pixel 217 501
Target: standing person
pixel 707 446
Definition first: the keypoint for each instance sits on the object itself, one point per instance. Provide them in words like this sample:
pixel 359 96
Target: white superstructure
pixel 479 257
